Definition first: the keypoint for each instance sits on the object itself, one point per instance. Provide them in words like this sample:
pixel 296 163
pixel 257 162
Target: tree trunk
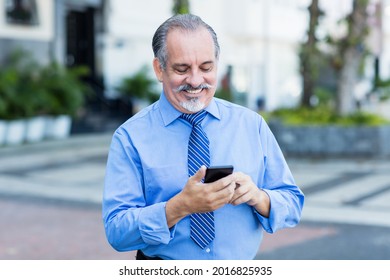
pixel 352 54
pixel 309 51
pixel 347 80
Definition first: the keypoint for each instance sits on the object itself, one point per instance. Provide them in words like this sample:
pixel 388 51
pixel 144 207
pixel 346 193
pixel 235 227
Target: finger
pixel 223 183
pixel 240 190
pixel 241 195
pixel 223 196
pixel 199 175
pixel 236 196
pixel 241 178
pixel 239 200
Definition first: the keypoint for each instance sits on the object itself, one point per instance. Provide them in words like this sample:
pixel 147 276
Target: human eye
pixel 181 69
pixel 206 67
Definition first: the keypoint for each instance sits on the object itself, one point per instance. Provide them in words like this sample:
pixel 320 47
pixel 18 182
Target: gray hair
pixel 184 22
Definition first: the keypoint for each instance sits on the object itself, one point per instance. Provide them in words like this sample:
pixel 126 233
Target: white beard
pixel 193 105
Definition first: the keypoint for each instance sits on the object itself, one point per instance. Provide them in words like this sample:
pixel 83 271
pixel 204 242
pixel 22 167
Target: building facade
pixel 259 40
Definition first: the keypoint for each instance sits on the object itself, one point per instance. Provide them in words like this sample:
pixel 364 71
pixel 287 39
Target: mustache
pixel 188 87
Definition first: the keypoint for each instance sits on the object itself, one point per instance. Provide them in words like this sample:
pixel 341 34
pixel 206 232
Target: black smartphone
pixel 214 173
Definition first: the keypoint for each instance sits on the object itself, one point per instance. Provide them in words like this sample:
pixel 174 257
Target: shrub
pixel 139 85
pixel 65 92
pixel 322 115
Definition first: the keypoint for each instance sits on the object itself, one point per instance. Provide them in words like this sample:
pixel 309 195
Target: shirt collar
pixel 170 113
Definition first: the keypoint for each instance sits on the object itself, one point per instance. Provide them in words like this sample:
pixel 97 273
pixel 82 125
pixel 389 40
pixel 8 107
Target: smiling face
pixel 189 80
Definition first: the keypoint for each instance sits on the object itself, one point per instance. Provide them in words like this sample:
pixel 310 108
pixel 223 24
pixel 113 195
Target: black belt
pixel 141 256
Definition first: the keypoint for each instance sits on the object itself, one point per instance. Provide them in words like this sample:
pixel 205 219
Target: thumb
pixel 199 175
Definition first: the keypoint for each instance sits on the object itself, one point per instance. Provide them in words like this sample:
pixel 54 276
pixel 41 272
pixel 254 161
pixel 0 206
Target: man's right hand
pixel 197 197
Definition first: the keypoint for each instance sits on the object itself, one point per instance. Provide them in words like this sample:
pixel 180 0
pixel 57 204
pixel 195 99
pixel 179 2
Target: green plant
pixel 362 118
pixel 139 85
pixel 323 115
pixel 383 87
pixel 324 96
pixel 28 89
pixel 65 92
pixel 181 7
pixel 20 92
pixel 224 94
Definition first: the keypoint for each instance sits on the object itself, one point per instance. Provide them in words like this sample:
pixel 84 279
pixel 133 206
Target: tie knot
pixel 196 118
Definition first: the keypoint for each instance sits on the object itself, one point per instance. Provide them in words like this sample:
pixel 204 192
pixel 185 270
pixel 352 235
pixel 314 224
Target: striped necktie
pixel 202 224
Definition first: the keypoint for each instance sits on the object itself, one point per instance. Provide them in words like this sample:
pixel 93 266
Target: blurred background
pixel 72 71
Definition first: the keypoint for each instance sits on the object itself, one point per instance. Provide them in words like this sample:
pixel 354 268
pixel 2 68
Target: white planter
pixel 58 127
pixel 16 131
pixel 3 131
pixel 35 129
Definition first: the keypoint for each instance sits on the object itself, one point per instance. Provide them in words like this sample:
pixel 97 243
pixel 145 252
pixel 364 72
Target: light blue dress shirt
pixel 147 165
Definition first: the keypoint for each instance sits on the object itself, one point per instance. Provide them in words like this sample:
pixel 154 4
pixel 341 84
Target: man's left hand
pixel 247 192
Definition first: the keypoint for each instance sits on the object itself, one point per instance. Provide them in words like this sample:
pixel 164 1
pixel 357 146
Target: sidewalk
pixel 73 169
pixel 70 170
pixel 50 196
pixel 52 191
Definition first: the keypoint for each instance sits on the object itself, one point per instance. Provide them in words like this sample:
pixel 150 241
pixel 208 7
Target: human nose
pixel 195 79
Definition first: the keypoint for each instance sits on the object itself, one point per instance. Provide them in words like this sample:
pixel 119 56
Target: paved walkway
pixel 345 191
pixel 67 170
pixel 50 195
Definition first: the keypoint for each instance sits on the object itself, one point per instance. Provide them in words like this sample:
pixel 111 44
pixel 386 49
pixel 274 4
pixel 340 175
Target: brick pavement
pixel 35 229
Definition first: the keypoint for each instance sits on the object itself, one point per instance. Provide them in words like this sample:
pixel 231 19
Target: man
pixel 153 188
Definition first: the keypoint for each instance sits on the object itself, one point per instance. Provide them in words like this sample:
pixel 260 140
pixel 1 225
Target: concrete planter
pixel 16 132
pixel 58 127
pixel 35 130
pixel 333 140
pixel 3 131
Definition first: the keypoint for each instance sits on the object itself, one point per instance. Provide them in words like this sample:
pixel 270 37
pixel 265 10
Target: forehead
pixel 190 44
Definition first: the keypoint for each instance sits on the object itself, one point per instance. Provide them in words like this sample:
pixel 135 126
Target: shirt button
pixel 208 250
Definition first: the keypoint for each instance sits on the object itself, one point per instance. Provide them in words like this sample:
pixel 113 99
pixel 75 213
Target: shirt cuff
pixel 266 222
pixel 153 225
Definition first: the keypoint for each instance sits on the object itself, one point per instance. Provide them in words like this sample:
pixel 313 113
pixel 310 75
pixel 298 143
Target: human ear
pixel 157 69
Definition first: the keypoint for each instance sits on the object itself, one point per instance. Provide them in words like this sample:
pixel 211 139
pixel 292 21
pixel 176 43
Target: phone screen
pixel 214 173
